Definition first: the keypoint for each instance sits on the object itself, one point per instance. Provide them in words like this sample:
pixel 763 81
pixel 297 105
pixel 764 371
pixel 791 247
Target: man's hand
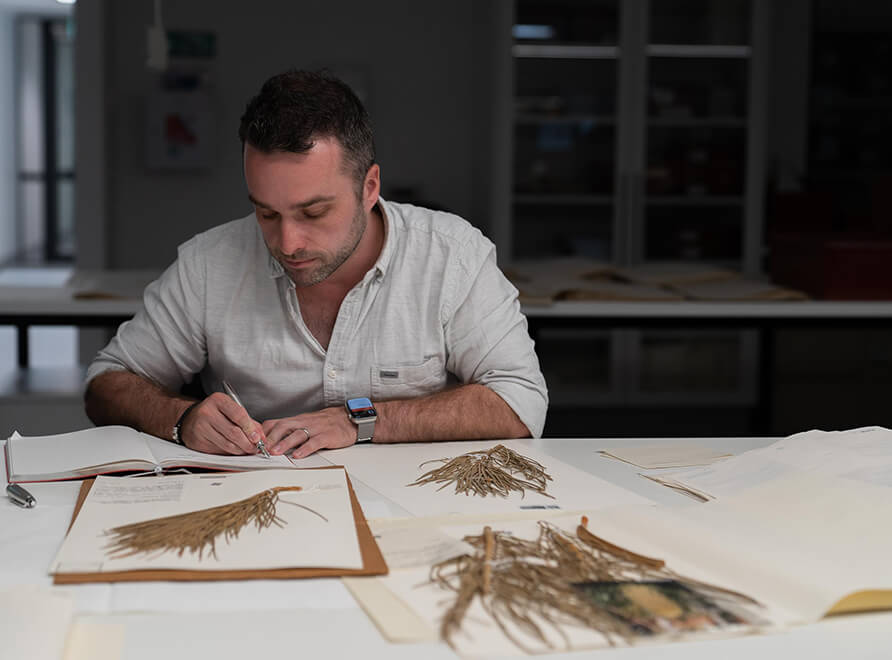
pixel 328 428
pixel 218 425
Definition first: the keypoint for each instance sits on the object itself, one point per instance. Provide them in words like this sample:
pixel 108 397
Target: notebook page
pixel 79 451
pixel 168 454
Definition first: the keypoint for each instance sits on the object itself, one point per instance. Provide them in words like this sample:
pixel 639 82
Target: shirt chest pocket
pixel 404 381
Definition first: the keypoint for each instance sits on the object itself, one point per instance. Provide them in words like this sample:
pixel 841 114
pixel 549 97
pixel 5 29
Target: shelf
pixel 562 199
pixel 527 118
pixel 566 51
pixel 850 102
pixel 816 172
pixel 688 122
pixel 680 50
pixel 693 200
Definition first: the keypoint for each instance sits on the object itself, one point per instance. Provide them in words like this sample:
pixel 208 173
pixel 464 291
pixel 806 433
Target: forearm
pixel 467 412
pixel 122 397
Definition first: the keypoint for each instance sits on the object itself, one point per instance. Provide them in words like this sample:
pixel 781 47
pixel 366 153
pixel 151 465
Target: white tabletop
pixel 59 300
pixel 66 292
pixel 318 618
pixel 779 310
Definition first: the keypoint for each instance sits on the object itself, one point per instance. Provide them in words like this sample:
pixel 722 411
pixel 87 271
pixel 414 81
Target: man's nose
pixel 292 238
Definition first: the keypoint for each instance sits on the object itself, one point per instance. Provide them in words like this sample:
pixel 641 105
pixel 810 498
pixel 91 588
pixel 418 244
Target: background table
pixel 765 318
pixel 318 618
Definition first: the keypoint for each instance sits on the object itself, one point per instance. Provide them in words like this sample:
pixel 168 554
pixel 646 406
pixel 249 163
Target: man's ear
pixel 371 187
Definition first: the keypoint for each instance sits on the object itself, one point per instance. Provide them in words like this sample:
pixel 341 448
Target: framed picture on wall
pixel 180 131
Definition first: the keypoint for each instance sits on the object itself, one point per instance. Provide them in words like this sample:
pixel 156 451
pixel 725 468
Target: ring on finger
pixel 307 431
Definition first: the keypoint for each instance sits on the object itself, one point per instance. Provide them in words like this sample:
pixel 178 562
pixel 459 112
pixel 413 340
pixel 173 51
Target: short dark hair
pixel 296 108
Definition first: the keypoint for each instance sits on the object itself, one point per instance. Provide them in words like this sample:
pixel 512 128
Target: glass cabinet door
pixel 693 366
pixel 565 88
pixel 698 60
pixel 582 367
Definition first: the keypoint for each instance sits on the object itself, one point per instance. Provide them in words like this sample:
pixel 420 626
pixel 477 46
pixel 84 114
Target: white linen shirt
pixel 434 310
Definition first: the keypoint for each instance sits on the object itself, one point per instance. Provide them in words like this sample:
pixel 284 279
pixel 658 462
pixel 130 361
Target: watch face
pixel 361 408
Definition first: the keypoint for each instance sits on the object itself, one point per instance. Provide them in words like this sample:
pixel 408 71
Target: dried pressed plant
pixel 529 587
pixel 197 530
pixel 488 472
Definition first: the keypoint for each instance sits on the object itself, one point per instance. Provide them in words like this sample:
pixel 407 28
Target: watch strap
pixel 177 432
pixel 365 430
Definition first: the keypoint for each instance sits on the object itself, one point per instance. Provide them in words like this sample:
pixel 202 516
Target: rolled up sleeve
pixel 488 340
pixel 165 341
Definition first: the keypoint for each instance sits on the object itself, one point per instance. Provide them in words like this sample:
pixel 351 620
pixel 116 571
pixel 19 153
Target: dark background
pixel 441 86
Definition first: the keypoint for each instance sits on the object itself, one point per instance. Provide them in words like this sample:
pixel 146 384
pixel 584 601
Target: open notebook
pixel 108 449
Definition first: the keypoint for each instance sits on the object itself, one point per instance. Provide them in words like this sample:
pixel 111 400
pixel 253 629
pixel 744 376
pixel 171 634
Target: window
pixel 45 129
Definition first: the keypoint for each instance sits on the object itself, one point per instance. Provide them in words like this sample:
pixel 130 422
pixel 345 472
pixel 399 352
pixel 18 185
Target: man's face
pixel 308 209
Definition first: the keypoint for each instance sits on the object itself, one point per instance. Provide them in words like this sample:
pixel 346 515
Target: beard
pixel 327 263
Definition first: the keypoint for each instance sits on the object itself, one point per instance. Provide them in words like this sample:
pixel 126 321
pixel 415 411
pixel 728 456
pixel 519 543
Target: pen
pixel 20 496
pixel 232 395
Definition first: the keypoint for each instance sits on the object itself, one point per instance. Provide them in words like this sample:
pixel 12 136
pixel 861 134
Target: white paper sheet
pixel 411 545
pixel 304 539
pixel 800 544
pixel 663 456
pixel 389 469
pixel 33 623
pixel 167 453
pixel 480 636
pixel 863 455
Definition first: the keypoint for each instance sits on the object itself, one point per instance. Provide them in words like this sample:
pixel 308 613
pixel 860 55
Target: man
pixel 325 294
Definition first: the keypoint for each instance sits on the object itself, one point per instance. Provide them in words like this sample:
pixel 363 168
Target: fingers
pixel 218 425
pixel 251 429
pixel 285 434
pixel 303 435
pixel 310 446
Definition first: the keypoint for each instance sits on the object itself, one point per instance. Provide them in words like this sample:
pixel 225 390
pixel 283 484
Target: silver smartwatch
pixel 362 413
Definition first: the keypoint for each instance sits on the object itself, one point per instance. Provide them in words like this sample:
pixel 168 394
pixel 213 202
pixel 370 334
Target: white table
pixel 24 305
pixel 318 618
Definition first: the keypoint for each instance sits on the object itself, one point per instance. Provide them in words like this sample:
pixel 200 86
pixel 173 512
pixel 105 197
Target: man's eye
pixel 269 216
pixel 315 214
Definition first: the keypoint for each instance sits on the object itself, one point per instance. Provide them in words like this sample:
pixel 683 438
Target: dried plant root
pixel 596 542
pixel 488 472
pixel 197 530
pixel 530 588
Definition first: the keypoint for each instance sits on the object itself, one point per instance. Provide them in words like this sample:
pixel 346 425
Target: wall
pixel 415 61
pixel 8 169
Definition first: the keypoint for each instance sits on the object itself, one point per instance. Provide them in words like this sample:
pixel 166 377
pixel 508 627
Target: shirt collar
pixel 378 270
pixel 389 217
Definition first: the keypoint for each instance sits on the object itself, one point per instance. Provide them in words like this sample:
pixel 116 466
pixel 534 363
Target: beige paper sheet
pixel 389 469
pixel 662 456
pixel 89 640
pixel 304 540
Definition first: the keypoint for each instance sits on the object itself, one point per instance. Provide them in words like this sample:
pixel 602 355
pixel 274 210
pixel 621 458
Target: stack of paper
pixel 802 548
pixel 863 455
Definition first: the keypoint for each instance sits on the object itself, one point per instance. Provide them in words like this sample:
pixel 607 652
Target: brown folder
pixel 372 560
